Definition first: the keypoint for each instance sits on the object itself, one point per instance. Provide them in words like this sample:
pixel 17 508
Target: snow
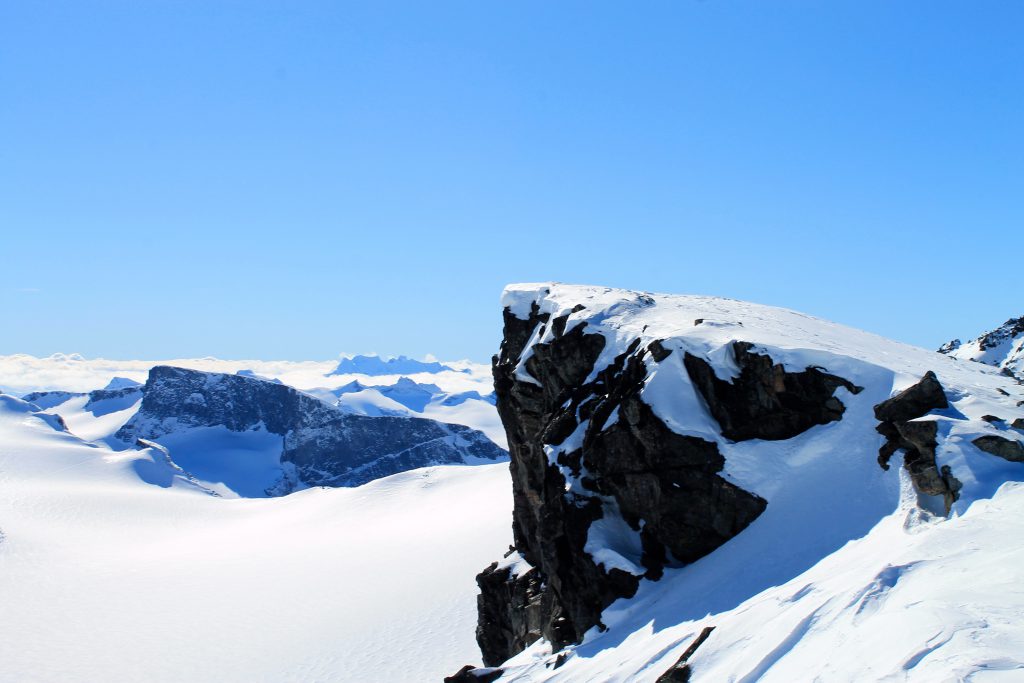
pixel 846 573
pixel 913 600
pixel 104 577
pixel 1002 347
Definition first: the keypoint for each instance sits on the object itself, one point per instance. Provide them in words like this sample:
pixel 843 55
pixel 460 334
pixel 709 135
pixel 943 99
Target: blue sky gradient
pixel 297 179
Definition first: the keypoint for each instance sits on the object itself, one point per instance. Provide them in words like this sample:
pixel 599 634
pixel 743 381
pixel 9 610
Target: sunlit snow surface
pixel 843 578
pixel 104 577
pixel 120 567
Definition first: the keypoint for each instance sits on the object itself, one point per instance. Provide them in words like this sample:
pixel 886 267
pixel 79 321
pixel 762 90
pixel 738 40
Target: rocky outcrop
pixel 764 401
pixel 472 674
pixel 1008 449
pixel 899 424
pixel 322 446
pixel 1002 347
pixel 915 401
pixel 588 455
pixel 681 670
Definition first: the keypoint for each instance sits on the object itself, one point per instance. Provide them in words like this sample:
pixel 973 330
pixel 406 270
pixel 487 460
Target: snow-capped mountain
pixel 712 490
pixel 1003 347
pixel 256 436
pixel 461 394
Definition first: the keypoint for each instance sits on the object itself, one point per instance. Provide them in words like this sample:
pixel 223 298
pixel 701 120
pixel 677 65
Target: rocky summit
pixel 646 432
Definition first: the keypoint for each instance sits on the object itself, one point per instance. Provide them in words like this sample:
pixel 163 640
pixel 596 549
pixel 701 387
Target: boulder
pixel 1007 449
pixel 914 401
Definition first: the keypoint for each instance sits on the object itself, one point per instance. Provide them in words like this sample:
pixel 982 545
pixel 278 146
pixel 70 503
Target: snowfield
pixel 104 577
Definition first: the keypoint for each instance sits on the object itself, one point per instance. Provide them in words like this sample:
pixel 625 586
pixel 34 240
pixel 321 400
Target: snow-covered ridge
pixel 828 501
pixel 218 425
pixel 1003 347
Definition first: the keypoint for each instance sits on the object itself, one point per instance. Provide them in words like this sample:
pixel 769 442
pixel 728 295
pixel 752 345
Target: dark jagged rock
pixel 992 418
pixel 917 439
pixel 627 463
pixel 914 401
pixel 765 401
pixel 322 446
pixel 510 611
pixel 681 670
pixel 1008 449
pixel 472 674
pixel 1018 423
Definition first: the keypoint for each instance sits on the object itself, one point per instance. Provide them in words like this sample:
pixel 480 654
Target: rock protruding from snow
pixel 605 492
pixel 322 446
pixel 915 401
pixel 1008 449
pixel 1003 347
pixel 899 423
pixel 644 446
pixel 765 401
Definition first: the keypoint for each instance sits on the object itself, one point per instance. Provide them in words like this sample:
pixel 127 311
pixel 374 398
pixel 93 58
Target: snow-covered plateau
pixel 700 489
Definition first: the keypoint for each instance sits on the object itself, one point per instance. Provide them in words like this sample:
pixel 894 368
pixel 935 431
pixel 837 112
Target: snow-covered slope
pixel 104 577
pixel 1003 347
pixel 850 572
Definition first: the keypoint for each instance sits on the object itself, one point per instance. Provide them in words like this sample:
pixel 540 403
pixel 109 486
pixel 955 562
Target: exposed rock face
pixel 765 401
pixel 1002 347
pixel 322 445
pixel 913 402
pixel 917 438
pixel 1008 449
pixel 587 451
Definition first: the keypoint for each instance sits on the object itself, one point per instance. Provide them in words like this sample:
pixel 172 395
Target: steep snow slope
pixel 841 577
pixel 106 578
pixel 918 598
pixel 1003 347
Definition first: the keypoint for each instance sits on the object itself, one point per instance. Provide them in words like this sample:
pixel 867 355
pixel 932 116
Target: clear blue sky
pixel 295 179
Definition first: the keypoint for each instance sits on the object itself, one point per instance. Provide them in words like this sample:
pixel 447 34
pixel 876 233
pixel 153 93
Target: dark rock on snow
pixel 765 401
pixel 1007 449
pixel 913 402
pixel 681 670
pixel 917 439
pixel 628 462
pixel 471 674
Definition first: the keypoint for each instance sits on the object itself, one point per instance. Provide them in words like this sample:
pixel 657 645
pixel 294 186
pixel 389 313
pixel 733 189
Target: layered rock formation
pixel 899 424
pixel 322 446
pixel 594 463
